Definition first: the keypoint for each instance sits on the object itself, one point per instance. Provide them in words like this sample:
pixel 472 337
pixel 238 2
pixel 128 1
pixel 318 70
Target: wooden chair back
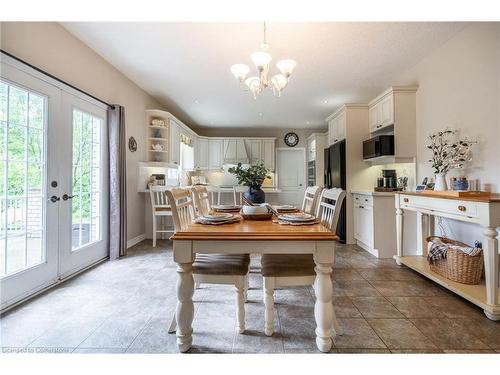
pixel 182 207
pixel 201 199
pixel 311 197
pixel 159 200
pixel 330 204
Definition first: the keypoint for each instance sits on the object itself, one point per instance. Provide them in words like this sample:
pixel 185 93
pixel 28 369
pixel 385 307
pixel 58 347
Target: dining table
pixel 255 237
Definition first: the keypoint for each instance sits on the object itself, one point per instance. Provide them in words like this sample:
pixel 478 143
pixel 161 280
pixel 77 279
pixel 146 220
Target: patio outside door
pixel 53 183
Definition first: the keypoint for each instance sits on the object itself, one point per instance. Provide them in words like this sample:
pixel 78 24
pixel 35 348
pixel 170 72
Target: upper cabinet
pixel 381 112
pixel 394 112
pixel 215 153
pixel 268 153
pixel 201 153
pixel 337 126
pixel 175 142
pixel 254 148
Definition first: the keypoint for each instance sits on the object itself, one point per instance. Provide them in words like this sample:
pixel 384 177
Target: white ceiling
pixel 186 65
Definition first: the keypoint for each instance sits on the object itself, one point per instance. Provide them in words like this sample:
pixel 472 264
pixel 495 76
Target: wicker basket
pixel 458 266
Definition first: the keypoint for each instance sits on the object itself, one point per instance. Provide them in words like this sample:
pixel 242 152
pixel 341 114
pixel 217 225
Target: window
pixel 86 201
pixel 22 175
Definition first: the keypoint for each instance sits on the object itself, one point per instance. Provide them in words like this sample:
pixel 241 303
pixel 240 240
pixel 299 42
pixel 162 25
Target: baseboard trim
pixel 367 248
pixel 136 240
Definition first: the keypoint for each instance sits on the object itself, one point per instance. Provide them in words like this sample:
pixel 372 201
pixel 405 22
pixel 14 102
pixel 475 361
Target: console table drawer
pixel 363 199
pixel 451 206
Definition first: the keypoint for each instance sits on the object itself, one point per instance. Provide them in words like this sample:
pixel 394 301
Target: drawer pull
pixel 406 200
pixel 462 208
pixel 366 200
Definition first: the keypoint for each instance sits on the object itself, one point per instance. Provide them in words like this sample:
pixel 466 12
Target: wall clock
pixel 291 139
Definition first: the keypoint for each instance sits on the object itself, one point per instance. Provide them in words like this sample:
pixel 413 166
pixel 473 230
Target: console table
pixel 482 211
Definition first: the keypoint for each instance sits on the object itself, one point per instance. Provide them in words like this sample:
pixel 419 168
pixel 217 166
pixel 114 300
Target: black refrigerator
pixel 335 176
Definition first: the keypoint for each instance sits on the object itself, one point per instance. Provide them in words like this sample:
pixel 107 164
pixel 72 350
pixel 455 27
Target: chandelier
pixel 261 60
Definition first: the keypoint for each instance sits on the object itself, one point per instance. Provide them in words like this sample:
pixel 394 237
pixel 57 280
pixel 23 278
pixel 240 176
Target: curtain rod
pixel 54 77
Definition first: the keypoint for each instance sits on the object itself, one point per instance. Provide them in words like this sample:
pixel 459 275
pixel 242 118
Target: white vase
pixel 440 183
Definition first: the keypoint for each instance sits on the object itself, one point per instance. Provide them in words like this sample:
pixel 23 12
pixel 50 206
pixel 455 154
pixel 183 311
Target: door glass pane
pixel 22 174
pixel 86 201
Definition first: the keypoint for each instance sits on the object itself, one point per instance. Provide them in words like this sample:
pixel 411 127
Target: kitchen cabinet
pixel 394 112
pixel 268 153
pixel 316 144
pixel 311 148
pixel 201 153
pixel 215 153
pixel 254 148
pixel 235 151
pixel 374 223
pixel 381 113
pixel 337 126
pixel 175 142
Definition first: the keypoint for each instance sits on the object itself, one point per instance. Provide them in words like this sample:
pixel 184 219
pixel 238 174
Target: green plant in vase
pixel 253 177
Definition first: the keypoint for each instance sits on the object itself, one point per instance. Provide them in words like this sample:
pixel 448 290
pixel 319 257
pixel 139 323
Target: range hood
pixel 235 152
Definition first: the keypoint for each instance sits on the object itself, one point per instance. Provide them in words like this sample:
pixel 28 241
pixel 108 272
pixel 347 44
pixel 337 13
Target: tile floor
pixel 125 306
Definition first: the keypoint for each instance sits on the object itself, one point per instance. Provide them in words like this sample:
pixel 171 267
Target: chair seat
pixel 285 265
pixel 221 264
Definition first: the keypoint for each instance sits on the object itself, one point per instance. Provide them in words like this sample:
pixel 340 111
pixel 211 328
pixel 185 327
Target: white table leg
pixel 491 265
pixel 323 308
pixel 185 306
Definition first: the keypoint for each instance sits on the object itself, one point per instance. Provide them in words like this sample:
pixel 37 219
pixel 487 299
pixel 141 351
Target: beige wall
pixel 459 87
pixel 279 133
pixel 50 47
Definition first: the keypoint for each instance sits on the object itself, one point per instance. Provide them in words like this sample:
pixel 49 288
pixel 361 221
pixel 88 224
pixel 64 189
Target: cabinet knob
pixel 462 208
pixel 406 200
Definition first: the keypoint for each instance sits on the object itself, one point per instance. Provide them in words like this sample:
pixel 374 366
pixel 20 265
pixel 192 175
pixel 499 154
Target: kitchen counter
pixel 375 193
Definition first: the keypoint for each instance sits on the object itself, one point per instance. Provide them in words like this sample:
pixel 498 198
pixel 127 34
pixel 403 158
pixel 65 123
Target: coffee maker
pixel 388 181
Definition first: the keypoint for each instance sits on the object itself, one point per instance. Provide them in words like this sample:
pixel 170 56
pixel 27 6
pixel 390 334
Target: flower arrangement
pixel 448 152
pixel 252 176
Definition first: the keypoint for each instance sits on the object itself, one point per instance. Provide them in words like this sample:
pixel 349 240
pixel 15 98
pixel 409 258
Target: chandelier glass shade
pixel 262 60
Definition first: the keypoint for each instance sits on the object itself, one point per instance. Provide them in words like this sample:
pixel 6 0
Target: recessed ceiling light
pixel 261 114
pixel 325 101
pixel 196 101
pixel 307 122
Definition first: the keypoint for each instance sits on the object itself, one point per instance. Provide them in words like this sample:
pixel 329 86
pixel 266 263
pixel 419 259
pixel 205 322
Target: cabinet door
pixel 366 222
pixel 175 143
pixel 357 222
pixel 331 131
pixel 373 117
pixel 268 154
pixel 254 147
pixel 241 152
pixel 311 149
pixel 340 126
pixel 387 111
pixel 215 147
pixel 202 153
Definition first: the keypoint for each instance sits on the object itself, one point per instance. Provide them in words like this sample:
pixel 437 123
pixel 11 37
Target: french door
pixel 53 183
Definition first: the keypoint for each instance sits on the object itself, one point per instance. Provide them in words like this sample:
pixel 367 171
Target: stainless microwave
pixel 382 145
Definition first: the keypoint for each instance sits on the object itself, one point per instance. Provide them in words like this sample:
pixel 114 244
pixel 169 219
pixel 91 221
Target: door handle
pixel 66 197
pixel 54 199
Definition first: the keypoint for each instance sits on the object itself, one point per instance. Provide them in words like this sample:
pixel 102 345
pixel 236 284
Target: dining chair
pixel 282 270
pixel 201 200
pixel 311 197
pixel 160 209
pixel 227 269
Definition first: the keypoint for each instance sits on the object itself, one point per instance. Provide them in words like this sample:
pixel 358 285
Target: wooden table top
pixel 256 230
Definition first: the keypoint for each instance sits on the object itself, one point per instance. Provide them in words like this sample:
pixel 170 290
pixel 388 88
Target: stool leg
pixel 154 231
pixel 269 305
pixel 173 325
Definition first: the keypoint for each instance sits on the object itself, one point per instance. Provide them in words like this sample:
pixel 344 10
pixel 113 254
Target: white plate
pixel 220 217
pixel 297 217
pixel 285 207
pixel 226 207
